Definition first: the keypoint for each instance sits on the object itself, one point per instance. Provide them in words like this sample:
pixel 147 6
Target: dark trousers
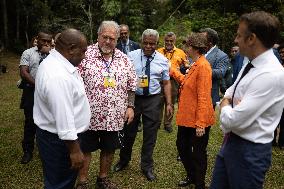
pixel 27 103
pixel 241 164
pixel 281 133
pixel 149 108
pixel 193 154
pixel 55 161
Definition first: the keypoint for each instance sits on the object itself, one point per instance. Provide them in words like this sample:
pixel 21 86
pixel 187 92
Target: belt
pixel 147 96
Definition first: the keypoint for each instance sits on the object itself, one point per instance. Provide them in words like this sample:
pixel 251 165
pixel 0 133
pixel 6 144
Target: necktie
pixel 124 48
pixel 246 70
pixel 147 72
pixel 42 56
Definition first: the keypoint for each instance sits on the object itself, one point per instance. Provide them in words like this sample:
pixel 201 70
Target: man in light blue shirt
pixel 152 68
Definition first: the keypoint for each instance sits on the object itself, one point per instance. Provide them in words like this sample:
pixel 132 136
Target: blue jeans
pixel 55 161
pixel 241 164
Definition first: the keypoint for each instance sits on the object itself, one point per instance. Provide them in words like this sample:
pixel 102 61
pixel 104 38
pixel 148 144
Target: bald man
pixel 61 111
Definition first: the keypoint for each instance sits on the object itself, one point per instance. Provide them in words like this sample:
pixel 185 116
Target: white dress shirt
pixel 258 101
pixel 60 102
pixel 210 50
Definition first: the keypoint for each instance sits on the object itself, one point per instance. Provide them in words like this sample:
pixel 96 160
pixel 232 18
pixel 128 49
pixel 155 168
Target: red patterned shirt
pixel 108 104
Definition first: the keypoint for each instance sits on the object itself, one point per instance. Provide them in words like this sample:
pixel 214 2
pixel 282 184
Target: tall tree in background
pixel 5 23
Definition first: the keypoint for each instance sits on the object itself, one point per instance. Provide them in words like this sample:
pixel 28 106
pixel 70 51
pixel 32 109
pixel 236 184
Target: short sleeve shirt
pixel 108 104
pixel 159 69
pixel 31 58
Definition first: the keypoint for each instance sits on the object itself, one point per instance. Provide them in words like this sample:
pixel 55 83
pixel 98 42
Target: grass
pixel 14 175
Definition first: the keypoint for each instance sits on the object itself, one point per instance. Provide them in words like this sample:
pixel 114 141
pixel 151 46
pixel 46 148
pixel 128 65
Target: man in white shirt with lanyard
pixel 251 108
pixel 61 110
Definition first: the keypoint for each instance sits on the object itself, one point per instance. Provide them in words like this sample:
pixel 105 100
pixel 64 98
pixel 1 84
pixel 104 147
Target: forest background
pixel 21 19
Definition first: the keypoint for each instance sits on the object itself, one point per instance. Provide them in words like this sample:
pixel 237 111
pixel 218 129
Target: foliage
pixel 226 25
pixel 176 15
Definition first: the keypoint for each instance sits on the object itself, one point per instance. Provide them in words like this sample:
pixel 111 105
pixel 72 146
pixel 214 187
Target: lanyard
pixel 107 63
pixel 147 63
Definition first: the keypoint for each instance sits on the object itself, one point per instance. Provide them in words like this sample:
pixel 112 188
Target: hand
pixel 45 49
pixel 129 115
pixel 77 160
pixel 225 102
pixel 170 111
pixel 200 131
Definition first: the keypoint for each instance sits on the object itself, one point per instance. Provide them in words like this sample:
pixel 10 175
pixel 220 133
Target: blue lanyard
pixel 107 63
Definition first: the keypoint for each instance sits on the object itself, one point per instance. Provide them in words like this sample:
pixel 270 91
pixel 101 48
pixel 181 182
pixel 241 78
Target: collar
pixel 171 51
pixel 152 55
pixel 208 52
pixel 258 61
pixel 69 67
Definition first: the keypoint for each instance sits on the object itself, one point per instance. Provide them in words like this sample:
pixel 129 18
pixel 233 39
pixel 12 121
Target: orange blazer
pixel 195 106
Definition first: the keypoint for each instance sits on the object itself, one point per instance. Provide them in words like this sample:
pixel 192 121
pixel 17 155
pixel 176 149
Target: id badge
pixel 109 82
pixel 143 81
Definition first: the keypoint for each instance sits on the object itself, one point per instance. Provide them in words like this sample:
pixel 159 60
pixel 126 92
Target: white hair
pixel 111 24
pixel 148 32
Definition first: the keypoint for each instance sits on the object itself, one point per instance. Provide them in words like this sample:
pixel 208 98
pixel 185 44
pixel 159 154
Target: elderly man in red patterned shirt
pixel 110 83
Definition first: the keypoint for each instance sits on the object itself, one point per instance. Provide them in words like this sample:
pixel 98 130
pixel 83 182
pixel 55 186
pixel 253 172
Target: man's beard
pixel 106 50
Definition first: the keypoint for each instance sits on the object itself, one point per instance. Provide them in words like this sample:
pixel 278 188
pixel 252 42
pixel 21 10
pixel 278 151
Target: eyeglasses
pixel 106 38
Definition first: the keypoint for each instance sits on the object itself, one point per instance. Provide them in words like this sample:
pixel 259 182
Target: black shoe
pixel 185 182
pixel 119 166
pixel 169 129
pixel 27 157
pixel 149 175
pixel 105 183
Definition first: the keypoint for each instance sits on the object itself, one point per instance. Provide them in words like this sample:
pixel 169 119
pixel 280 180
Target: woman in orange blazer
pixel 195 112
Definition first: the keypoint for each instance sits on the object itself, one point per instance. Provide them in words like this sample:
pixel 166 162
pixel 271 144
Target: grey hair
pixel 170 34
pixel 148 32
pixel 106 24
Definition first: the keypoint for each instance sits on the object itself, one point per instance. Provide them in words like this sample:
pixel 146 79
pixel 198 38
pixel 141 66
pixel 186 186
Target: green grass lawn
pixel 168 170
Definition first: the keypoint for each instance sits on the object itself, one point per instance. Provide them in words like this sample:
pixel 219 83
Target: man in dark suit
pixel 125 44
pixel 219 62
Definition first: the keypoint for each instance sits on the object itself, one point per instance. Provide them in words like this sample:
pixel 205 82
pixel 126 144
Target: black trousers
pixel 281 133
pixel 27 103
pixel 193 154
pixel 149 108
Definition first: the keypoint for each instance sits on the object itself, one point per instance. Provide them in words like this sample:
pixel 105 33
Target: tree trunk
pixel 5 23
pixel 17 21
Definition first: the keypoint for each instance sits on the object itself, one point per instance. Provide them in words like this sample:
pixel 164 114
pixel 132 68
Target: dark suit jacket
pixel 219 62
pixel 237 65
pixel 132 45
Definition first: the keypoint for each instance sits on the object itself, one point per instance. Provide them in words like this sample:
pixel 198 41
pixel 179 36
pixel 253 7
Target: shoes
pixel 105 183
pixel 169 129
pixel 27 157
pixel 119 166
pixel 185 182
pixel 82 185
pixel 149 174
